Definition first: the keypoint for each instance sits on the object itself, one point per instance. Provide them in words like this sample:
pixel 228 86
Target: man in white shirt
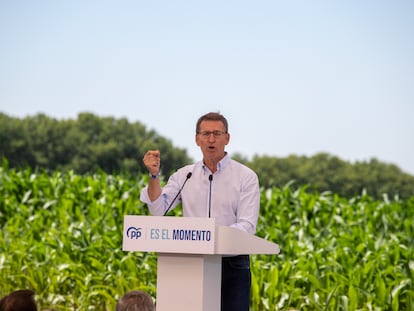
pixel 217 187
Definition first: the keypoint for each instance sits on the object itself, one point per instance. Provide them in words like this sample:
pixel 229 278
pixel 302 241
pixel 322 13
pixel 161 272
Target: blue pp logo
pixel 134 233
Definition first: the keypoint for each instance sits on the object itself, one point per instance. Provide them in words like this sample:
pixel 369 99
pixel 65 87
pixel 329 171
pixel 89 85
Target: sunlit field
pixel 61 235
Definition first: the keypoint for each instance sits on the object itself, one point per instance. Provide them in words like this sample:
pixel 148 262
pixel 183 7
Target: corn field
pixel 61 236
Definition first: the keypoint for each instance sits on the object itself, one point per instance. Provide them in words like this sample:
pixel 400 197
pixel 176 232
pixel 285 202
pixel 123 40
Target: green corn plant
pixel 61 235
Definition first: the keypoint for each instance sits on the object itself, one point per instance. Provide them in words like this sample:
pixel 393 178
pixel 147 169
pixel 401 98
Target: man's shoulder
pixel 241 166
pixel 186 169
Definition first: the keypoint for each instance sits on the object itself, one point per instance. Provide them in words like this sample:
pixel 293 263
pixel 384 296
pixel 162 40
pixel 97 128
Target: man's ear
pixel 228 138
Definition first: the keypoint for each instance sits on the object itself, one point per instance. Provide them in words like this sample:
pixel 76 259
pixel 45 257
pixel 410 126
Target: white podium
pixel 189 256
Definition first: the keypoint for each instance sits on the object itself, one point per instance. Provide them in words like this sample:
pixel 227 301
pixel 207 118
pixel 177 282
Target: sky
pixel 291 77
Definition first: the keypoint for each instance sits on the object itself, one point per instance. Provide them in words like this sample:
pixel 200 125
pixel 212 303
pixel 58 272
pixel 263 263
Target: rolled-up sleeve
pixel 155 207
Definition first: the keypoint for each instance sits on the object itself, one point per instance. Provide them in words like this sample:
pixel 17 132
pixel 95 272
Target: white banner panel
pixel 169 234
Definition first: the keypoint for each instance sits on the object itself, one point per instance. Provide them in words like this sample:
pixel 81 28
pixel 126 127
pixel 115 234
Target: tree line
pixel 92 143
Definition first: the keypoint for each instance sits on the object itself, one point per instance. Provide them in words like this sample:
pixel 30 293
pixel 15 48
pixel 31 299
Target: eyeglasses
pixel 207 134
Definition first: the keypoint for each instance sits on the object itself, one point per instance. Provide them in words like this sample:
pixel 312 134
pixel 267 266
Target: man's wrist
pixel 152 176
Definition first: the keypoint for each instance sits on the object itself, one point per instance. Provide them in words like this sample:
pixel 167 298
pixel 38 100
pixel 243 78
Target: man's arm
pixel 154 188
pixel 249 205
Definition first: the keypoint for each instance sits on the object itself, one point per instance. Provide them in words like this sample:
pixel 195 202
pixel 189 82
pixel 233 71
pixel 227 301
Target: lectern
pixel 189 256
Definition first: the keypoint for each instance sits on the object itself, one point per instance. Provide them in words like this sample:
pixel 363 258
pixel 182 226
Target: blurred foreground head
pixel 135 300
pixel 20 300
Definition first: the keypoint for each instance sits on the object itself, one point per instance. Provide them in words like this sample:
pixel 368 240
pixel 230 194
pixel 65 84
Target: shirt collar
pixel 221 165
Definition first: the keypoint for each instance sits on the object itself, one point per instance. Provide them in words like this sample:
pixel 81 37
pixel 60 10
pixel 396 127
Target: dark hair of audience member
pixel 19 300
pixel 136 300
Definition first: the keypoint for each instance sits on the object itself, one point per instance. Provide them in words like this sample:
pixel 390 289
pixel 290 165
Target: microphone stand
pixel 178 193
pixel 210 178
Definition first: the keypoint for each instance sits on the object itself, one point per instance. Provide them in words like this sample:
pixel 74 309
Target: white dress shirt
pixel 234 199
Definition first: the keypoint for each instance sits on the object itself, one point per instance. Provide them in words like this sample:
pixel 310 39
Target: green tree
pixel 323 172
pixel 87 144
pixel 91 143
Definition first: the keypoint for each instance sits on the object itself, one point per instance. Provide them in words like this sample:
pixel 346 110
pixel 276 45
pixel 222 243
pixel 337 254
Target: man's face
pixel 212 140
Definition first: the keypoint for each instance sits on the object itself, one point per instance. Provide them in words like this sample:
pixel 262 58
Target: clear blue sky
pixel 292 77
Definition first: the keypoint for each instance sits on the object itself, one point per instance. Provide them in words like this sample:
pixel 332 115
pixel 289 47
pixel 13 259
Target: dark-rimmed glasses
pixel 207 134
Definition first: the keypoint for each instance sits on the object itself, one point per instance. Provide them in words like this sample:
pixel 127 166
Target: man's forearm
pixel 154 189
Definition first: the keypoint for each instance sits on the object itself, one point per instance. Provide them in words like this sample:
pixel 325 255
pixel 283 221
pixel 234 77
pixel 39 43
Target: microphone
pixel 210 178
pixel 179 191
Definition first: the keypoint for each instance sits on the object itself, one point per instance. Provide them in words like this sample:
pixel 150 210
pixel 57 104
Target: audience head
pixel 136 300
pixel 20 300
